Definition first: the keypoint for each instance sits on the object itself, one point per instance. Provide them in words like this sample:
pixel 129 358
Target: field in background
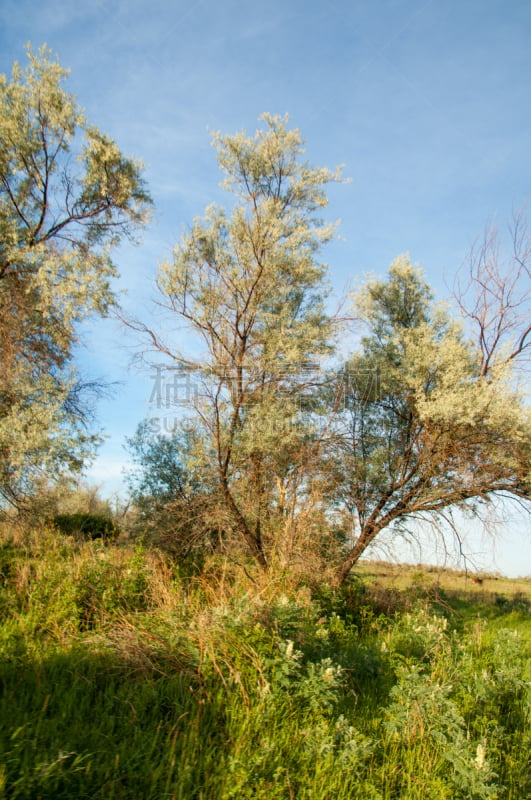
pixel 122 676
pixel 473 587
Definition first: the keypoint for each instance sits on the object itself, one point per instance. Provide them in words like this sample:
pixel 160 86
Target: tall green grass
pixel 121 679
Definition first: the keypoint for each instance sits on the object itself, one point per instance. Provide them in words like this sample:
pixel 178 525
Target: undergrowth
pixel 121 678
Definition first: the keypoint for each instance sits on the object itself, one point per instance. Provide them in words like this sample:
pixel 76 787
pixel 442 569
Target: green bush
pixel 90 526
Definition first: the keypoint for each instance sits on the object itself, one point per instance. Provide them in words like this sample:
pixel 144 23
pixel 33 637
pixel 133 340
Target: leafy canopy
pixel 249 285
pixel 67 196
pixel 424 428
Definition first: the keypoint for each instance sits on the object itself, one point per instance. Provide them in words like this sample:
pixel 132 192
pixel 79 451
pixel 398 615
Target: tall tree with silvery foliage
pixel 67 197
pixel 248 284
pixel 426 425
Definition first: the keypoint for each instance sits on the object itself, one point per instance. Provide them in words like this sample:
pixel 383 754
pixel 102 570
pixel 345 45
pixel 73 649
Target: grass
pixel 119 678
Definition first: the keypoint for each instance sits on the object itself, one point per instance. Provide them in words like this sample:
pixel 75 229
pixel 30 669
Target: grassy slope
pixel 120 679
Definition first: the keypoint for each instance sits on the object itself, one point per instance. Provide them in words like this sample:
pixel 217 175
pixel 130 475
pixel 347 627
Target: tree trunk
pixel 253 542
pixel 362 542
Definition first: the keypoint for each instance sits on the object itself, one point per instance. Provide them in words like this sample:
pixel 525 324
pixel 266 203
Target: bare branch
pixel 493 293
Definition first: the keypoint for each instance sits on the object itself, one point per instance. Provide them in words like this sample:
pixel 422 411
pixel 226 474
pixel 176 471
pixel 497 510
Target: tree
pixel 160 472
pixel 173 490
pixel 67 196
pixel 493 294
pixel 426 424
pixel 248 284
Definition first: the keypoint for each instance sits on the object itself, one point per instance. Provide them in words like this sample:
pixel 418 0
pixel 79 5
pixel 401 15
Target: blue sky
pixel 427 104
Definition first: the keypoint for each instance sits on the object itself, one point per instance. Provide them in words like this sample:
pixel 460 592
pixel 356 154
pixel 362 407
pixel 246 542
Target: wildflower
pixel 480 756
pixel 329 674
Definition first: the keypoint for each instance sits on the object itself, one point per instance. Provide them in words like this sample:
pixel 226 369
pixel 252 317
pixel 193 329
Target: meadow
pixel 123 675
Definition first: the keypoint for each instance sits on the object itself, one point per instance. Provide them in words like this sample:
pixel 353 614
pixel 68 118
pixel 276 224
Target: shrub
pixel 90 526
